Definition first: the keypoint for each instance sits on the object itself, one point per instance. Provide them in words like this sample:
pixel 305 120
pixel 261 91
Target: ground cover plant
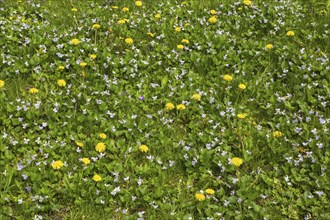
pixel 164 109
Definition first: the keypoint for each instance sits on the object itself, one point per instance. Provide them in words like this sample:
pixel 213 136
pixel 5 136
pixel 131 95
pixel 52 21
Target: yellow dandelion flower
pixel 177 29
pixel 57 165
pixel 169 106
pixel 86 161
pixel 150 34
pixel 83 64
pixel 144 148
pixel 102 136
pixel 79 144
pixel 129 40
pixel 210 191
pixel 96 26
pixel 228 77
pixel 61 67
pixel 158 16
pixel 213 12
pixel 247 2
pixel 74 9
pixel 241 115
pixel 213 20
pixel 180 47
pixel 200 196
pixel 97 178
pixel 290 33
pixel 92 56
pixel 100 147
pixel 61 82
pixel 125 9
pixel 181 107
pixel 242 86
pixel 277 134
pixel 138 3
pixel 33 90
pixel 196 97
pixel 75 42
pixel 269 46
pixel 185 41
pixel 121 21
pixel 2 83
pixel 236 161
pixel 114 7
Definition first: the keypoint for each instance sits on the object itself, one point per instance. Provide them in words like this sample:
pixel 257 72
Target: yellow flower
pixel 247 2
pixel 228 77
pixel 2 83
pixel 144 148
pixel 157 16
pixel 100 147
pixel 57 164
pixel 138 3
pixel 269 46
pixel 277 134
pixel 210 191
pixel 33 90
pixel 180 47
pixel 121 21
pixel 75 41
pixel 177 29
pixel 74 9
pixel 185 41
pixel 114 7
pixel 242 86
pixel 196 97
pixel 242 115
pixel 213 20
pixel 79 144
pixel 125 9
pixel 290 33
pixel 200 196
pixel 128 40
pixel 83 64
pixel 61 82
pixel 92 56
pixel 236 161
pixel 103 136
pixel 61 67
pixel 150 34
pixel 96 26
pixel 180 107
pixel 86 161
pixel 169 106
pixel 97 178
pixel 213 12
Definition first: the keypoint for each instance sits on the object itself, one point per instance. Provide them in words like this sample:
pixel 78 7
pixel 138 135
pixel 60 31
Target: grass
pixel 247 137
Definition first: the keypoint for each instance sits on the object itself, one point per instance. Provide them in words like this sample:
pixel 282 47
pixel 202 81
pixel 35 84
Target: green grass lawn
pixel 164 109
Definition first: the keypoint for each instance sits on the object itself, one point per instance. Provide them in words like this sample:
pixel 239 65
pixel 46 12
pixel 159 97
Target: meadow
pixel 164 109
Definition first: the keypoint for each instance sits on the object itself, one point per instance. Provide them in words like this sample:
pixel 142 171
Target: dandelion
pixel 2 83
pixel 125 9
pixel 158 16
pixel 74 9
pixel 79 144
pixel 185 41
pixel 213 20
pixel 61 82
pixel 169 106
pixel 138 3
pixel 277 134
pixel 196 97
pixel 58 164
pixel 102 136
pixel 247 2
pixel 177 29
pixel 290 33
pixel 128 40
pixel 96 26
pixel 92 56
pixel 97 178
pixel 75 41
pixel 83 64
pixel 100 147
pixel 180 47
pixel 269 46
pixel 200 196
pixel 213 12
pixel 241 115
pixel 61 67
pixel 150 34
pixel 236 161
pixel 114 7
pixel 33 90
pixel 210 191
pixel 121 21
pixel 85 160
pixel 228 77
pixel 144 148
pixel 242 86
pixel 181 107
